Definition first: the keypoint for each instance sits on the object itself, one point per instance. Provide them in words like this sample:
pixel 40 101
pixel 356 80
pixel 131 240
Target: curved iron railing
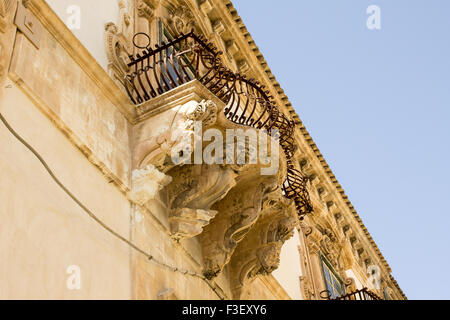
pixel 153 72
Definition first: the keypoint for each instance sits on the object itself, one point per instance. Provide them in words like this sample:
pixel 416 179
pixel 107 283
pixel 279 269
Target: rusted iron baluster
pixel 166 86
pixel 146 71
pixel 165 58
pixel 128 83
pixel 139 98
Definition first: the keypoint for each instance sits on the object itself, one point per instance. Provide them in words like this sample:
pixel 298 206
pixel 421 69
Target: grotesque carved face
pixel 269 258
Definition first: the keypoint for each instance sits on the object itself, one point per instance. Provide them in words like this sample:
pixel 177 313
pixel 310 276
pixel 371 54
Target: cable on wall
pixel 99 221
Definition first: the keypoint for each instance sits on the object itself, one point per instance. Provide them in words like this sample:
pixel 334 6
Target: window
pixel 334 284
pixel 175 69
pixel 385 293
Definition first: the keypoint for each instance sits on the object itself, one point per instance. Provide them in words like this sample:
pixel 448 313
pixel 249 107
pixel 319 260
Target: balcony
pixel 155 71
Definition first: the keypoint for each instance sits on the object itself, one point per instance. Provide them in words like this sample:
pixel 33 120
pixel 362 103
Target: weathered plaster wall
pixel 42 230
pixel 91 31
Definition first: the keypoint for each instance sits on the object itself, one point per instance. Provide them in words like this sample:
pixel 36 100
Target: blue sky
pixel 377 103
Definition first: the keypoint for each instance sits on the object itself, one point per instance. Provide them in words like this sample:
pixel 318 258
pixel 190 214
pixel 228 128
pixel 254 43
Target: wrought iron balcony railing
pixel 154 71
pixel 363 294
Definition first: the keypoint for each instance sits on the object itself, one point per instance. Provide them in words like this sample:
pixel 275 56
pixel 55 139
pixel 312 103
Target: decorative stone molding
pixel 175 139
pixel 243 66
pixel 238 212
pixel 180 20
pixel 188 223
pixel 192 193
pixel 331 249
pixel 350 285
pixel 307 289
pixel 218 27
pixel 146 9
pixel 146 184
pixel 206 6
pixel 205 112
pixel 118 43
pixel 313 237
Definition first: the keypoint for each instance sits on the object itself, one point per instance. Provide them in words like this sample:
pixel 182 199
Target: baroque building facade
pixel 93 205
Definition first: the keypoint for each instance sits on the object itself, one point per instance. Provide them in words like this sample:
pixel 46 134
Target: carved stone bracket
pixel 146 9
pixel 194 190
pixel 118 43
pixel 146 184
pixel 238 212
pixel 350 285
pixel 259 252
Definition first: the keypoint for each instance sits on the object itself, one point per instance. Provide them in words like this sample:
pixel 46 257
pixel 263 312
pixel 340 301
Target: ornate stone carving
pixel 118 43
pixel 259 252
pixel 307 289
pixel 146 184
pixel 330 249
pixel 206 112
pixel 313 237
pixel 350 285
pixel 194 190
pixel 188 223
pixel 145 9
pixel 238 212
pixel 181 20
pixel 177 138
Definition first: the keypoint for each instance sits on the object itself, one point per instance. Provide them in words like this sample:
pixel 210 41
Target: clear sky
pixel 377 103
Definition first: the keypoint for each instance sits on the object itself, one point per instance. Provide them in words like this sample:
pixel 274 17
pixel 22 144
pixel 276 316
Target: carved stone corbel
pixel 118 43
pixel 146 183
pixel 313 237
pixel 238 212
pixel 259 252
pixel 194 190
pixel 330 249
pixel 176 138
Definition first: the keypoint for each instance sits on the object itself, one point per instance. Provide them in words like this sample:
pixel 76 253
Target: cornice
pixel 282 97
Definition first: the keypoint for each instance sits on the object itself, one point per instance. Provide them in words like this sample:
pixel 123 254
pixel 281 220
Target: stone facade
pixel 142 227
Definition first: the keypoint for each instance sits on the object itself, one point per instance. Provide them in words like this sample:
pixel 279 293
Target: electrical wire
pixel 96 219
